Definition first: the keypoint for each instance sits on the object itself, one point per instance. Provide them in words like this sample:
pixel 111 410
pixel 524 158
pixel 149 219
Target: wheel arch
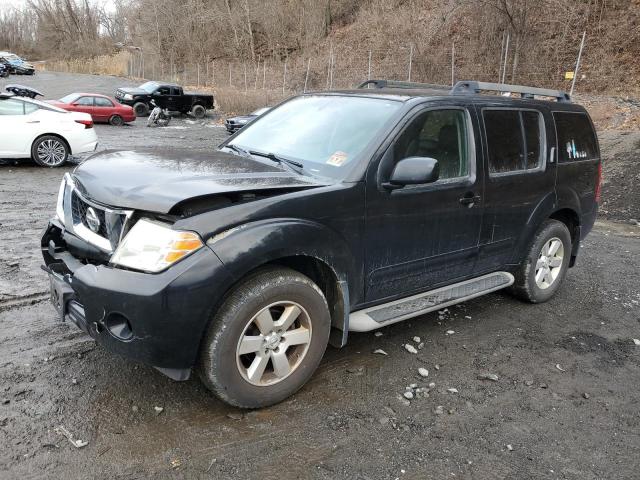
pixel 57 135
pixel 304 246
pixel 571 219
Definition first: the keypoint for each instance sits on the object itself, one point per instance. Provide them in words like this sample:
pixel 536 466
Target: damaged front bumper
pixel 157 319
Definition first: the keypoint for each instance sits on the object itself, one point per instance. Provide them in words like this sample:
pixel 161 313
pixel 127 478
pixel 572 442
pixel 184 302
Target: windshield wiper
pixel 237 149
pixel 292 164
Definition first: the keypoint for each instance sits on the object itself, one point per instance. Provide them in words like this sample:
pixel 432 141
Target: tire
pixel 542 271
pixel 116 121
pixel 141 109
pixel 273 294
pixel 50 151
pixel 198 111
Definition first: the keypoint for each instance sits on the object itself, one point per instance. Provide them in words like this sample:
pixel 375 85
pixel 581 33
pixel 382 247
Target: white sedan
pixel 47 134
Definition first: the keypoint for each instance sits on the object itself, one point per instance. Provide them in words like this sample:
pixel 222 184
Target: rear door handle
pixel 34 121
pixel 469 199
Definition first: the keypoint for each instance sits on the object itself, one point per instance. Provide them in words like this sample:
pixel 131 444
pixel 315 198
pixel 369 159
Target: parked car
pixel 101 107
pixel 5 68
pixel 336 212
pixel 234 124
pixel 18 65
pixel 166 95
pixel 47 134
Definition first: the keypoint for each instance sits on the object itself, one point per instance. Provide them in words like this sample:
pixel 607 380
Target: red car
pixel 100 107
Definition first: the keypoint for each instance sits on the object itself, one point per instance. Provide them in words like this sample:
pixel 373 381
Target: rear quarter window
pixel 576 138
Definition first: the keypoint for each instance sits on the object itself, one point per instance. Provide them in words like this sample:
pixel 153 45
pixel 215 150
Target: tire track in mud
pixel 23 301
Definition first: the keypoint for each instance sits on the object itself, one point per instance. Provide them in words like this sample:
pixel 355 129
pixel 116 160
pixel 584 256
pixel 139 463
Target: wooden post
pixel 410 61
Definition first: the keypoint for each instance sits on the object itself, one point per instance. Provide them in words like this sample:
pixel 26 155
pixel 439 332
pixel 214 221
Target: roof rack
pixel 400 84
pixel 473 87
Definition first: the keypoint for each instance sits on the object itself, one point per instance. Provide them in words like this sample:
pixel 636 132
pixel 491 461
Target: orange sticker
pixel 337 159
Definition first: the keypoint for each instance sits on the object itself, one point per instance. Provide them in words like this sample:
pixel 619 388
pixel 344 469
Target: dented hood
pixel 157 180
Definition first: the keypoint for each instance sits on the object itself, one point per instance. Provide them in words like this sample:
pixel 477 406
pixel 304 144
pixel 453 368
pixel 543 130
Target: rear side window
pixel 515 140
pixel 11 107
pixel 576 138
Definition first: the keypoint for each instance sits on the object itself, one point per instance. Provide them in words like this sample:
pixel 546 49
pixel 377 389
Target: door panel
pixel 17 128
pixel 519 180
pixel 103 109
pixel 422 236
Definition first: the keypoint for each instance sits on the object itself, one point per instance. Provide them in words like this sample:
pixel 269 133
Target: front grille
pixel 79 211
pixel 110 223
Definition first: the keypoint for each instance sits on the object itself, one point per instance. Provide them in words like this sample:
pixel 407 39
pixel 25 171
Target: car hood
pixel 158 180
pixel 133 91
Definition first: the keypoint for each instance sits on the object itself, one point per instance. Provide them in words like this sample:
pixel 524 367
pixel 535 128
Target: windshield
pixel 69 98
pixel 325 133
pixel 149 87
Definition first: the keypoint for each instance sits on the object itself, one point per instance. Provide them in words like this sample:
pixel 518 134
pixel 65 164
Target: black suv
pixel 333 212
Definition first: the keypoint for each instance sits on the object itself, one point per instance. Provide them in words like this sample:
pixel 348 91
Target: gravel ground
pixel 565 403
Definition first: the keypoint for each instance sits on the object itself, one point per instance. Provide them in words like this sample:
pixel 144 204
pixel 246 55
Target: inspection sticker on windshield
pixel 337 159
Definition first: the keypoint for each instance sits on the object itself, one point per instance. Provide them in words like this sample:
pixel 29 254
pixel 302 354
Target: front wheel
pixel 541 273
pixel 198 111
pixel 141 109
pixel 266 340
pixel 49 151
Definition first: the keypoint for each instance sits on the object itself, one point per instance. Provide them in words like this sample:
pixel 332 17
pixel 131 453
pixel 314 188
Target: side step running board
pixel 398 310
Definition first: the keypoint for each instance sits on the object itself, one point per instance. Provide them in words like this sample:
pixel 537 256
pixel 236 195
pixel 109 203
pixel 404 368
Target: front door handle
pixel 34 121
pixel 469 199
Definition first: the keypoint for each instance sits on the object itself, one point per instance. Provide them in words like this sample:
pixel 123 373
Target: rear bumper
pixel 166 314
pixel 82 141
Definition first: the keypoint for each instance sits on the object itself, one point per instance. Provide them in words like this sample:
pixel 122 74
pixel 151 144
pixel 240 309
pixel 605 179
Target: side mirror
pixel 413 171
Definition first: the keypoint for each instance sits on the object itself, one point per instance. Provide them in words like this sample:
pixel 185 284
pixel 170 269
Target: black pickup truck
pixel 167 95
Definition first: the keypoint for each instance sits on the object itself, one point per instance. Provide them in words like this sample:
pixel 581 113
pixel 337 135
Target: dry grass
pixel 233 101
pixel 101 65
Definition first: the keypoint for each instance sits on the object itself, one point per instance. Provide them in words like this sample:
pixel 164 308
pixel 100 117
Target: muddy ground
pixel 566 400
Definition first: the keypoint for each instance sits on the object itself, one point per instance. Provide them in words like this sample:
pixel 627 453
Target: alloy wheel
pixel 274 343
pixel 52 152
pixel 549 264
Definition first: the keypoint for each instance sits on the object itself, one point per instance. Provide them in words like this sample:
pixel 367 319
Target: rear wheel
pixel 116 121
pixel 141 109
pixel 198 111
pixel 49 151
pixel 266 340
pixel 541 273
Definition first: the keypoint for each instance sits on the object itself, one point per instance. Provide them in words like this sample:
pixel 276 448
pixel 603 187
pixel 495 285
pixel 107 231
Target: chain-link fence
pixel 341 69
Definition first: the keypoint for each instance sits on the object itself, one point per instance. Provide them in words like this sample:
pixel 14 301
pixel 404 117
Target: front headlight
pixel 152 246
pixel 128 96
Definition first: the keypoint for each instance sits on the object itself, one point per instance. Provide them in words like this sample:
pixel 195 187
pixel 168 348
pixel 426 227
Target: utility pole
pixel 575 72
pixel 410 61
